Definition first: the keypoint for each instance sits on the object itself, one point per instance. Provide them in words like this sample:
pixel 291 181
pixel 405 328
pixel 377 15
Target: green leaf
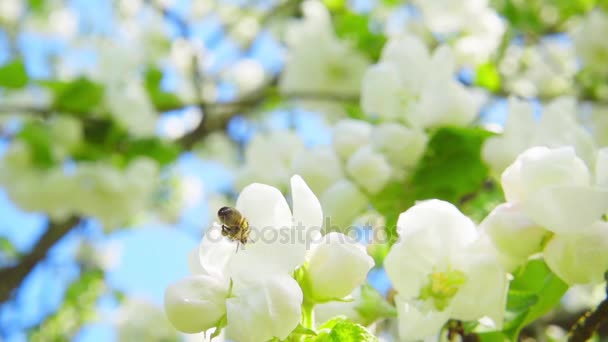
pixel 487 76
pixel 303 331
pixel 335 4
pixel 356 28
pixel 342 330
pixel 533 292
pixel 161 99
pixel 13 75
pixel 78 97
pixel 163 152
pixel 391 201
pixel 451 166
pixel 39 142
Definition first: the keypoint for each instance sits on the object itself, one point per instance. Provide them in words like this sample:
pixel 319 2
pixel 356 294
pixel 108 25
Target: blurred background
pixel 125 125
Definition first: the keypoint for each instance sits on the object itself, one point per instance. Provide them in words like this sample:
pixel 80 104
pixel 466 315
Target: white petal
pixel 215 251
pixel 196 303
pixel 485 290
pixel 580 258
pixel 382 91
pixel 342 202
pixel 369 169
pixel 349 135
pixel 411 57
pixel 307 210
pixel 567 209
pixel 337 266
pixel 272 251
pixel 513 233
pixel 264 206
pixel 416 322
pixel 264 310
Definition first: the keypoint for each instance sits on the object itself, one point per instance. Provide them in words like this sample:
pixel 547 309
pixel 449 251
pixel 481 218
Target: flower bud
pixel 336 267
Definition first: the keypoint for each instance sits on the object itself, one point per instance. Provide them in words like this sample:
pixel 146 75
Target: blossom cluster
pixel 262 290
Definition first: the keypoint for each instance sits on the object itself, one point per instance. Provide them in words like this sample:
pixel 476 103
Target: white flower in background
pixel 591 46
pixel 103 256
pixel 403 86
pixel 320 167
pixel 515 236
pixel 580 258
pixel 441 269
pixel 478 26
pixel 555 189
pixel 247 74
pixel 369 169
pixel 402 146
pixel 140 320
pixel 91 188
pixel 349 135
pixel 580 298
pixel 545 70
pixel 319 62
pixel 219 147
pixel 601 168
pixel 342 203
pixel 130 106
pixel 557 127
pixel 11 11
pixel 269 159
pixel 336 266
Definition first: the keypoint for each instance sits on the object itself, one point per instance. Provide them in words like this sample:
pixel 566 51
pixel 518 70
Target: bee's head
pixel 225 212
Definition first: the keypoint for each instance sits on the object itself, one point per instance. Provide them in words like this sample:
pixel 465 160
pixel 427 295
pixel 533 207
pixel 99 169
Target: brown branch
pixel 11 277
pixel 589 322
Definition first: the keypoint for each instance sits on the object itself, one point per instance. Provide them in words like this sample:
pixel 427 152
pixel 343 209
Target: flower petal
pixel 566 209
pixel 196 303
pixel 264 310
pixel 307 210
pixel 264 206
pixel 416 322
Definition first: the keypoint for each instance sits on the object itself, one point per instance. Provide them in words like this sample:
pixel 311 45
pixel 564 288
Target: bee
pixel 234 225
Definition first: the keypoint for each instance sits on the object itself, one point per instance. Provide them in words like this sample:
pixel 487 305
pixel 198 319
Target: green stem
pixel 308 315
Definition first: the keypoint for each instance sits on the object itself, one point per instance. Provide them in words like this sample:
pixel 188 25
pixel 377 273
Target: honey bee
pixel 234 225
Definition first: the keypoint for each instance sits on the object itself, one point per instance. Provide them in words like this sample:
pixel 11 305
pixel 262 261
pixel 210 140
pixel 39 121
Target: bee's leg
pixel 238 244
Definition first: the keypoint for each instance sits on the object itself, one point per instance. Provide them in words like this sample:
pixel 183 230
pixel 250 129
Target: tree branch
pixel 589 322
pixel 11 277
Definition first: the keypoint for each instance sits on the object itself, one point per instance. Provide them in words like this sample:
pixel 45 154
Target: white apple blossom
pixel 554 188
pixel 515 236
pixel 269 158
pixel 599 124
pixel 601 167
pixel 319 62
pixel 349 135
pixel 580 258
pixel 441 269
pixel 402 146
pixel 252 290
pixel 342 202
pixel 138 319
pixel 545 70
pixel 557 127
pixel 591 46
pixel 403 86
pixel 369 169
pixel 130 106
pixel 320 167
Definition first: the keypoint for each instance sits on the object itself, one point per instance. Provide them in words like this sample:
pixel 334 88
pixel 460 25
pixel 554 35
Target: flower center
pixel 442 287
